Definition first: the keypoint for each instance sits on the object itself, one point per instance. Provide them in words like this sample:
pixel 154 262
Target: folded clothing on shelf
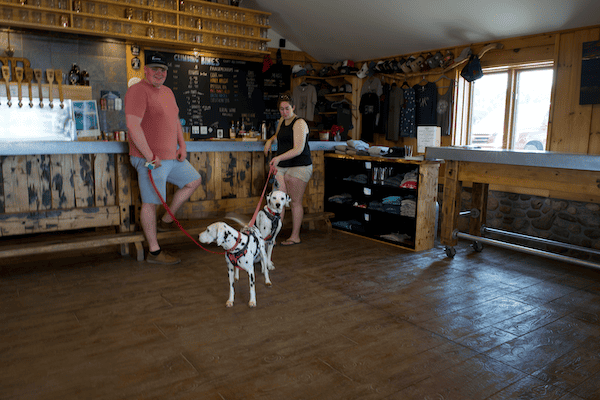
pixel 360 178
pixel 343 198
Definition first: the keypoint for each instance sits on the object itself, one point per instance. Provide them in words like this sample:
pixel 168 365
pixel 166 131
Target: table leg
pixel 451 203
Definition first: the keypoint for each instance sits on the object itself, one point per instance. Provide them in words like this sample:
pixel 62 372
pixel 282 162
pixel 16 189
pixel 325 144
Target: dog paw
pixel 268 284
pixel 251 304
pixel 229 304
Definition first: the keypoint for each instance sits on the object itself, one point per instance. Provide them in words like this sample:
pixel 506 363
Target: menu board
pixel 213 92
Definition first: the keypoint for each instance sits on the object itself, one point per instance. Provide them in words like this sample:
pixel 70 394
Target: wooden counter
pixel 560 175
pixel 61 186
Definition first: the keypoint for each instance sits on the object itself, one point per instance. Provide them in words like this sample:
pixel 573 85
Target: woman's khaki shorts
pixel 303 173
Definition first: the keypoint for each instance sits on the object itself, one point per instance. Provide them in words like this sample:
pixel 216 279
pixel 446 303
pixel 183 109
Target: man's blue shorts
pixel 179 173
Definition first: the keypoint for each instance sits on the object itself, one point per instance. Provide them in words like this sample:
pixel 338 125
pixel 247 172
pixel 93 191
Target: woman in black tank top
pixel 293 161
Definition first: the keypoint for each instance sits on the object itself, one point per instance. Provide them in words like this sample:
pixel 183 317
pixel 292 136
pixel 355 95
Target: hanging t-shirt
pixel 344 119
pixel 408 126
pixel 444 109
pixel 369 108
pixel 396 99
pixel 305 99
pixel 426 102
pixel 384 106
pixel 372 85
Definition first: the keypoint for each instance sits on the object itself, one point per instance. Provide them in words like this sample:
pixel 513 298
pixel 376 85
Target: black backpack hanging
pixel 472 71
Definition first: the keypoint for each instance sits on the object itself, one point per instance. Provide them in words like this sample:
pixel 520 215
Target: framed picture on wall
pixel 86 118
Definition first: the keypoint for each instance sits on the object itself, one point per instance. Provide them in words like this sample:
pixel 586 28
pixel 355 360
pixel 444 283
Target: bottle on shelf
pixel 232 133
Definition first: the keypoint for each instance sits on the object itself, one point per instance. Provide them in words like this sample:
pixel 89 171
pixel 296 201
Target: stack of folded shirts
pixel 408 207
pixel 341 149
pixel 378 150
pixel 343 198
pixel 410 180
pixel 360 178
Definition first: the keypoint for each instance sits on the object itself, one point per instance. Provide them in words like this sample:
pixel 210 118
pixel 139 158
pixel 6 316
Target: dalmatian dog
pixel 268 220
pixel 242 250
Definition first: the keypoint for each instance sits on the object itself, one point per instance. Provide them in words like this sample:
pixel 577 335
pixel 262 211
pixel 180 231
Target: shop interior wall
pixel 103 60
pixel 573 128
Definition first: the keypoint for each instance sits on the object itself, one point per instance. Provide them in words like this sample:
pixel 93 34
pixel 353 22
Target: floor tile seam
pixel 528 332
pixel 393 396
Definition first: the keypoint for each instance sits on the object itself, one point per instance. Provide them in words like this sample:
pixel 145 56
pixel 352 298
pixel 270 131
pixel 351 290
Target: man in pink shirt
pixel 156 143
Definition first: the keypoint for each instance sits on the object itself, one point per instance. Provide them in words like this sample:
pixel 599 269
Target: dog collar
pixel 239 239
pixel 271 211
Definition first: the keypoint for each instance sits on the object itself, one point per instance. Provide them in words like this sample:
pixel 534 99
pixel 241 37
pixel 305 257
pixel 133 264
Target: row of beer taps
pixel 29 74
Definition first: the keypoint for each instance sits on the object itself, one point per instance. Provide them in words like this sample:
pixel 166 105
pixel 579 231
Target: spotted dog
pixel 268 220
pixel 242 249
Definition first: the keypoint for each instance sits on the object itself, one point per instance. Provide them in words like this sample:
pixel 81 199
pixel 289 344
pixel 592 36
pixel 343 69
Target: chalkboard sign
pixel 213 92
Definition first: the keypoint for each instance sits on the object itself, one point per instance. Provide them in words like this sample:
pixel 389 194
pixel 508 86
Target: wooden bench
pixel 53 244
pixel 60 244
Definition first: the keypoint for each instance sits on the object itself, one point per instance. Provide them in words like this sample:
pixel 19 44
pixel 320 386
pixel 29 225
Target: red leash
pixel 272 170
pixel 187 234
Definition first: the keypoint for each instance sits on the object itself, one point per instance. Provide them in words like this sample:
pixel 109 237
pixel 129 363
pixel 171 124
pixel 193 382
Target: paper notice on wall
pixel 428 136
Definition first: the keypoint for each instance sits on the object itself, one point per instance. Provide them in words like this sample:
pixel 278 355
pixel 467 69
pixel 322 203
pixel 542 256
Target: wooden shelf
pixel 199 26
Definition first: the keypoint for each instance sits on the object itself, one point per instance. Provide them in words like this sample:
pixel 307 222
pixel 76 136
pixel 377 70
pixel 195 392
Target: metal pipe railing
pixel 524 249
pixel 486 229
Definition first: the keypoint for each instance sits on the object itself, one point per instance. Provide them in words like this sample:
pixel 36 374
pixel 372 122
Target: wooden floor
pixel 346 318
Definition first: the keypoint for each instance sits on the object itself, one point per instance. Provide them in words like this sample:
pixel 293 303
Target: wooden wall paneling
pixel 104 180
pixel 88 217
pixel 16 198
pixel 83 180
pixel 594 147
pixel 62 181
pixel 260 171
pixel 216 208
pixel 23 223
pixel 200 161
pixel 571 122
pixel 236 175
pixel 215 160
pixel 34 185
pixel 124 192
pixel 45 182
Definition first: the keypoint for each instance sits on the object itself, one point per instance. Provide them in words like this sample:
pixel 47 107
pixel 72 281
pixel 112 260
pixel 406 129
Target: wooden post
pixel 479 200
pixel 451 203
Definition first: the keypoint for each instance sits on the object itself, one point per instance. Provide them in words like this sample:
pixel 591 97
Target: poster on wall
pixel 590 74
pixel 85 114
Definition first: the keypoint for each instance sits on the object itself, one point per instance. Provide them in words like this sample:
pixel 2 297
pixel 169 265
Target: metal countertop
pixel 530 158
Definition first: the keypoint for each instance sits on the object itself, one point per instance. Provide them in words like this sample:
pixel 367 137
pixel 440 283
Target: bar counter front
pixel 549 174
pixel 62 186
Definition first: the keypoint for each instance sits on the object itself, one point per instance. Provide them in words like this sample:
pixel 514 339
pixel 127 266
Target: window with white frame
pixel 509 108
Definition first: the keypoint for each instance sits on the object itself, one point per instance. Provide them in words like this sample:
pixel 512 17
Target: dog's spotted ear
pixel 288 200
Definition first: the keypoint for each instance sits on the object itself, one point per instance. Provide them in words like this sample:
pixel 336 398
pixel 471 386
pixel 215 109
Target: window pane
pixel 487 112
pixel 532 109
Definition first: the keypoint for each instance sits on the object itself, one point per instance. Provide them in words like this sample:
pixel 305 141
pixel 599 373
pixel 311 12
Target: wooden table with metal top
pixel 548 174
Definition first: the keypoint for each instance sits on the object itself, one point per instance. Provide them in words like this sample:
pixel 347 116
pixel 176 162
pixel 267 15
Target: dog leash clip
pixel 150 165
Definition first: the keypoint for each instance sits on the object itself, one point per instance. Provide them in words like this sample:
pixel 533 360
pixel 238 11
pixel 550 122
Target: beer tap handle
pixel 50 78
pixel 38 77
pixel 58 75
pixel 6 76
pixel 29 76
pixel 19 75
